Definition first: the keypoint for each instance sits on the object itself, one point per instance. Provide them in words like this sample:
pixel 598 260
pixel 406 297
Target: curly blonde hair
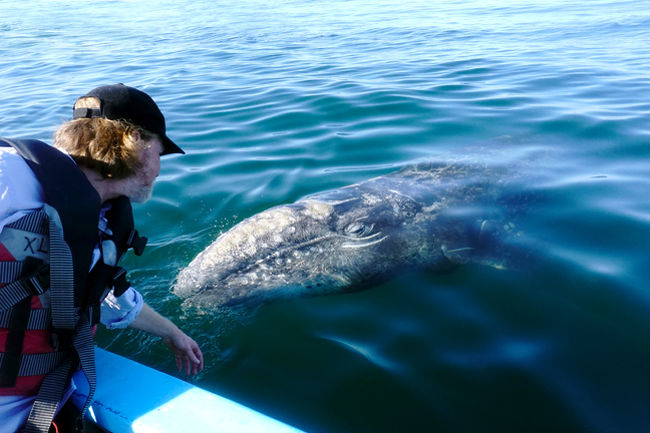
pixel 104 145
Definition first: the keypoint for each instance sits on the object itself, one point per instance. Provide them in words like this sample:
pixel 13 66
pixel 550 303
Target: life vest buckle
pixel 39 283
pixel 120 283
pixel 137 242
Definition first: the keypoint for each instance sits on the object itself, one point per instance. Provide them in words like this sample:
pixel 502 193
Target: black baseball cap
pixel 120 102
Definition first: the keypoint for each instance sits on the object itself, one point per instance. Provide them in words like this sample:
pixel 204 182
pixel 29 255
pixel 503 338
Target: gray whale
pixel 424 216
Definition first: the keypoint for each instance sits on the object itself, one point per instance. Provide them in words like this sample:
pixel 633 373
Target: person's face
pixel 140 185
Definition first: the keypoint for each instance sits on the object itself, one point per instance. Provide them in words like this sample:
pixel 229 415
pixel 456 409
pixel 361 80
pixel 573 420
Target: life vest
pixel 48 298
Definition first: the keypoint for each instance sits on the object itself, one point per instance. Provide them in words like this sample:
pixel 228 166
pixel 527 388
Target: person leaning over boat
pixel 65 220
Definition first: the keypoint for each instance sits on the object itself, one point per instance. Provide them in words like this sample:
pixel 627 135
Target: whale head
pixel 327 243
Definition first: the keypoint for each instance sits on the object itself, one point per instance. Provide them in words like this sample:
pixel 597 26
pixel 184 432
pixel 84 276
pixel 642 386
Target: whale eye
pixel 357 229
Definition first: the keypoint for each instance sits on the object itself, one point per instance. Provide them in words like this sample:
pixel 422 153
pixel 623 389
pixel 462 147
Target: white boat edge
pixel 132 397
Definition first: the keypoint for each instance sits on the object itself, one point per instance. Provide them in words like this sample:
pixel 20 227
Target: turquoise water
pixel 276 100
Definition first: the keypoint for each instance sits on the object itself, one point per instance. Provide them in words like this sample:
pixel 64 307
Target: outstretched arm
pixel 184 348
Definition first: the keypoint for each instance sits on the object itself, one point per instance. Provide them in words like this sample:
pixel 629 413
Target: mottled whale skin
pixel 424 216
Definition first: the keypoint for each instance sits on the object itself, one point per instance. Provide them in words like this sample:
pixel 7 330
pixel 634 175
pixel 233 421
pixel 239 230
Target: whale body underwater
pixel 430 216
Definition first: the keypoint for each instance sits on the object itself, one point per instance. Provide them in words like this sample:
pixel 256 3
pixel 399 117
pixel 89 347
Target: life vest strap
pixel 34 222
pixel 13 293
pixel 37 364
pixel 39 318
pixel 48 399
pixel 64 314
pixel 11 360
pixel 10 271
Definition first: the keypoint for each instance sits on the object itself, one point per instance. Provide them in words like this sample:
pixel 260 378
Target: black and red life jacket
pixel 48 298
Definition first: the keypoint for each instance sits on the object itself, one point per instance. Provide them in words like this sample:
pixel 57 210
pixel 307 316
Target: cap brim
pixel 170 147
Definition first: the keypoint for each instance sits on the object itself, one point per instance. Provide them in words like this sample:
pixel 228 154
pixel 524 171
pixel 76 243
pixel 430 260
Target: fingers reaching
pixel 186 351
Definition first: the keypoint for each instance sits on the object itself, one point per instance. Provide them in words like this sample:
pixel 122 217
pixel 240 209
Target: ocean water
pixel 274 100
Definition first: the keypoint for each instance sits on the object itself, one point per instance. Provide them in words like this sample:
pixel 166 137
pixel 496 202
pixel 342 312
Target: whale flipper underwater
pixel 424 216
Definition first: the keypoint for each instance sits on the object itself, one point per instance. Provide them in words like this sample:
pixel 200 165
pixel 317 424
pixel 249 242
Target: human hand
pixel 184 348
pixel 185 351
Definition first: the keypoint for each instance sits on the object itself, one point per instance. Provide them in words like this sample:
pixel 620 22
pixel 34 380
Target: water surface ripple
pixel 276 100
